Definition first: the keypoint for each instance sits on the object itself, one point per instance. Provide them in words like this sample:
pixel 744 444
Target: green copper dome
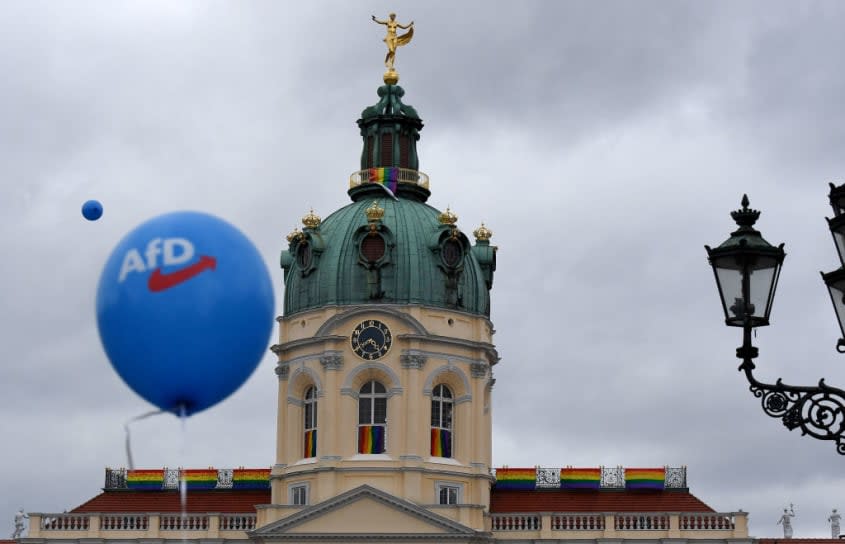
pixel 387 247
pixel 406 257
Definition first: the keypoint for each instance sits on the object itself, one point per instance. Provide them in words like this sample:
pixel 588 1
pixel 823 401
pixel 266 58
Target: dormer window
pixel 373 248
pixel 303 255
pixel 452 253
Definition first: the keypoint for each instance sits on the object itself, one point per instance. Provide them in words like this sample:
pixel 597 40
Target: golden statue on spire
pixel 391 77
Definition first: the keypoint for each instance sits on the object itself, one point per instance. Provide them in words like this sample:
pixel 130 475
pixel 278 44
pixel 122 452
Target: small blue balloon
pixel 185 309
pixel 92 210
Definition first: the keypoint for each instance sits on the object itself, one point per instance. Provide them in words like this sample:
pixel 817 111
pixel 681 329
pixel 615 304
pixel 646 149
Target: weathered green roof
pixel 413 270
pixel 411 257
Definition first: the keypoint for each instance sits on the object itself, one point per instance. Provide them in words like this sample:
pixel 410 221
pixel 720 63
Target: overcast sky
pixel 603 143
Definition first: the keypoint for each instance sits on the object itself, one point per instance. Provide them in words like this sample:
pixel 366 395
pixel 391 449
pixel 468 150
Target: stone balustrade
pixel 560 525
pixel 134 525
pixel 546 525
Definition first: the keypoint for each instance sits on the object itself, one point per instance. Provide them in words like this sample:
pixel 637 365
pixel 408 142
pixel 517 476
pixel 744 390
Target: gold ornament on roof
pixel 374 212
pixel 448 217
pixel 392 40
pixel 482 233
pixel 295 235
pixel 312 220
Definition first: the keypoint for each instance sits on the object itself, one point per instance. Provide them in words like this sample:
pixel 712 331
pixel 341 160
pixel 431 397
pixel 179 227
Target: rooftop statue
pixel 834 524
pixel 786 521
pixel 392 40
pixel 19 523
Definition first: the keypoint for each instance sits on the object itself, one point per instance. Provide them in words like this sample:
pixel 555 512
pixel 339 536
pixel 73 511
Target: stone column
pixel 328 407
pixel 416 439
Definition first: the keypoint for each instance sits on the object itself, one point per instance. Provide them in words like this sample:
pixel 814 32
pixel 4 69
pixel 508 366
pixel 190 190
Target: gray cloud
pixel 604 145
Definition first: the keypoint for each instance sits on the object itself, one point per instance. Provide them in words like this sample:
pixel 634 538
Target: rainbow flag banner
pixel 311 443
pixel 145 479
pixel 516 478
pixel 200 478
pixel 388 176
pixel 441 443
pixel 251 478
pixel 645 478
pixel 580 478
pixel 371 439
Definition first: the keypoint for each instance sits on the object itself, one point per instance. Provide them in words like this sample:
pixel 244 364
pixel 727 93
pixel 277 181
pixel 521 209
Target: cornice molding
pixel 369 310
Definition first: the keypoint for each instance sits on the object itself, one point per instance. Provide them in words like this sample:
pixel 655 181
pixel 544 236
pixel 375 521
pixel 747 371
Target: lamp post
pixel 747 267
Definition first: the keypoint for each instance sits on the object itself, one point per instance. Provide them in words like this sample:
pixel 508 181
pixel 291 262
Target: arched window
pixel 441 421
pixel 372 418
pixel 310 424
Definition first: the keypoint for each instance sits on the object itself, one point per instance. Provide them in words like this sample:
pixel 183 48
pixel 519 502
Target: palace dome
pixel 387 246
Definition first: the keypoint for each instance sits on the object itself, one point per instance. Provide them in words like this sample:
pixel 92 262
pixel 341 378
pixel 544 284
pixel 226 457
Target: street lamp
pixel 747 267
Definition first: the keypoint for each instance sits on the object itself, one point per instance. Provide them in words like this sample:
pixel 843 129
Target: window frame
pixel 309 402
pixel 372 395
pixel 441 486
pixel 305 488
pixel 438 401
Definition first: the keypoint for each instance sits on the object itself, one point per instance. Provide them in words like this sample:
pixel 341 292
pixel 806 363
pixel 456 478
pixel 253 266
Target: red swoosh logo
pixel 160 282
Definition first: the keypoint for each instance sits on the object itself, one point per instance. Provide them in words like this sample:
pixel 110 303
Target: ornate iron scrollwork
pixel 817 411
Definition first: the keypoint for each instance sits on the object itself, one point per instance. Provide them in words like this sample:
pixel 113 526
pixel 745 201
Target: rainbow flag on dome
pixel 386 176
pixel 645 478
pixel 200 478
pixel 250 478
pixel 580 478
pixel 145 479
pixel 441 443
pixel 370 439
pixel 516 478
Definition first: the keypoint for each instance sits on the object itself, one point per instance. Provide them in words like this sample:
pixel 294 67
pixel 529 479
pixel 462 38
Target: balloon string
pixel 129 462
pixel 183 484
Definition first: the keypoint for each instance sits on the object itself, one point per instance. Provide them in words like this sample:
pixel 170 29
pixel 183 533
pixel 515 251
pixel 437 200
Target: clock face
pixel 371 340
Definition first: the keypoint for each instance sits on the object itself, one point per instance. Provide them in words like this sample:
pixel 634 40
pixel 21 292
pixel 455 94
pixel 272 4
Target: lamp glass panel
pixel 838 297
pixel 730 289
pixel 839 239
pixel 761 280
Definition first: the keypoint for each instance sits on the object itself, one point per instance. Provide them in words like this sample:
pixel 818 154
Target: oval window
pixel 372 248
pixel 452 253
pixel 303 255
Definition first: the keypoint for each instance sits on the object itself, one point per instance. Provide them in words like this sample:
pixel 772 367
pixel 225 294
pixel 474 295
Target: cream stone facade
pixel 431 346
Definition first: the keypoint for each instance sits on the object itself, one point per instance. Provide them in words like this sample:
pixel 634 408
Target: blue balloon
pixel 92 210
pixel 185 309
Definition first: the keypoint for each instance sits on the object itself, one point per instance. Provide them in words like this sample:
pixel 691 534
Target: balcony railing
pixel 607 477
pixel 62 522
pixel 169 478
pixel 237 522
pixel 124 522
pixel 555 525
pixel 134 525
pixel 707 522
pixel 516 522
pixel 188 522
pixel 642 522
pixel 577 522
pixel 403 175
